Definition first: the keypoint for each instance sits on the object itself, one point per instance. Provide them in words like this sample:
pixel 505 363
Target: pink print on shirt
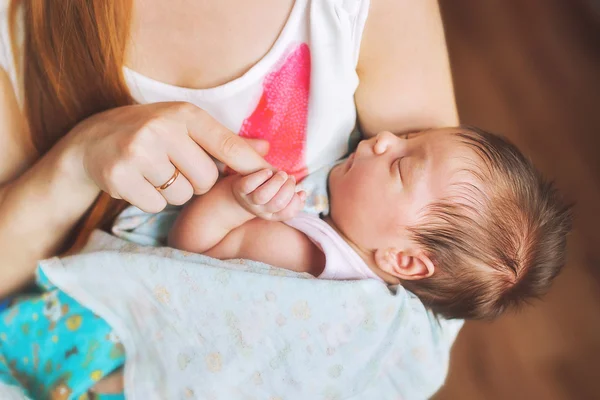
pixel 281 114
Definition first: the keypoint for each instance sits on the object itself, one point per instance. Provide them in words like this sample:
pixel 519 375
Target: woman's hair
pixel 494 248
pixel 72 67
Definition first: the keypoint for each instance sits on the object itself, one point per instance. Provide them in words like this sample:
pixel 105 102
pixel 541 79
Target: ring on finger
pixel 168 183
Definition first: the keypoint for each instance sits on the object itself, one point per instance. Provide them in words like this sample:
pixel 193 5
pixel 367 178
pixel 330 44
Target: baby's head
pixel 458 216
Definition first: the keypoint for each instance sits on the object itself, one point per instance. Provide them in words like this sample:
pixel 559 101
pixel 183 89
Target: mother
pixel 103 97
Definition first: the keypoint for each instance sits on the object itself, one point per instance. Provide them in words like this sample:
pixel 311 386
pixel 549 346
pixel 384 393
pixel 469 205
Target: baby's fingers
pixel 250 183
pixel 267 191
pixel 292 209
pixel 283 197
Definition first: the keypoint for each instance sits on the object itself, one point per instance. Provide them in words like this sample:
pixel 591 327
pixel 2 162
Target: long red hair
pixel 73 58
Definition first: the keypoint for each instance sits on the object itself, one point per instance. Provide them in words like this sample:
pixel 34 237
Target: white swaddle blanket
pixel 199 328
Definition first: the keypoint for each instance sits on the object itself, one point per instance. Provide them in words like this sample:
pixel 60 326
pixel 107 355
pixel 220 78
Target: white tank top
pixel 300 96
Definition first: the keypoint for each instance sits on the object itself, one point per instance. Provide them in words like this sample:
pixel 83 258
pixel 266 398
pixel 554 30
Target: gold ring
pixel 170 181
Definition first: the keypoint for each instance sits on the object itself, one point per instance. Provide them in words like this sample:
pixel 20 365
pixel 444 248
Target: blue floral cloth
pixel 53 347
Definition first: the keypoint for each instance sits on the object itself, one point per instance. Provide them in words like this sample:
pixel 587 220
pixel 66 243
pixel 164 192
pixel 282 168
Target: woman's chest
pixel 203 44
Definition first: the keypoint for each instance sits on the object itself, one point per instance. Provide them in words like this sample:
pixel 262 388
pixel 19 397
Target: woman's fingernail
pixel 283 174
pixel 269 173
pixel 293 178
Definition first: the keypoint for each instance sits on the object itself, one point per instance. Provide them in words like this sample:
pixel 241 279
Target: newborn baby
pixel 457 216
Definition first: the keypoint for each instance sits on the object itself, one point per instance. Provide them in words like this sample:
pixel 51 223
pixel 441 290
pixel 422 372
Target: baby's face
pixel 385 185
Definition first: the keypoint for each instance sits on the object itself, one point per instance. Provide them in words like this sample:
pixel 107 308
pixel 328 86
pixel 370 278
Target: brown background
pixel 530 69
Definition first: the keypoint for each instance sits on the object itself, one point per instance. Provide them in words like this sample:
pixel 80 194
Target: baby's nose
pixel 382 141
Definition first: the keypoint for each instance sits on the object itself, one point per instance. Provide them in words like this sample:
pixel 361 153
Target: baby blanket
pixel 199 328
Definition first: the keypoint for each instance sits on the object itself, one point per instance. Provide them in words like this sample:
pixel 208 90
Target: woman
pixel 131 99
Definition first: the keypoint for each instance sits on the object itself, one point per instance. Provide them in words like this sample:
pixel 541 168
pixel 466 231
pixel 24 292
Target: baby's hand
pixel 268 196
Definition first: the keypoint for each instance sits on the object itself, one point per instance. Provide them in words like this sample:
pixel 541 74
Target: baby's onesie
pixel 341 261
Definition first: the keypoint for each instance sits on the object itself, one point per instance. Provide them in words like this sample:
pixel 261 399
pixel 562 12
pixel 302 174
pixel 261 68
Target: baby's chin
pixel 333 181
pixel 334 174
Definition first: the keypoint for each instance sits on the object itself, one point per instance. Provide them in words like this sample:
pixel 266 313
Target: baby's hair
pixel 501 245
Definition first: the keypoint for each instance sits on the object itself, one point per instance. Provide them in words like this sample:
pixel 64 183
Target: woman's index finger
pixel 225 145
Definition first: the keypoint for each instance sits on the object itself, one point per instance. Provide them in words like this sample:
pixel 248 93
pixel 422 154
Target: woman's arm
pixel 40 201
pixel 127 152
pixel 405 79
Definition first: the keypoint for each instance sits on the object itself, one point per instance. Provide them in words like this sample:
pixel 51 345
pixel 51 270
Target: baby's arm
pixel 273 243
pixel 223 223
pixel 208 219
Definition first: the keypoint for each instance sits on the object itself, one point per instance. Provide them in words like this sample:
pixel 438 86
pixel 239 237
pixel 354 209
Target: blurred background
pixel 530 69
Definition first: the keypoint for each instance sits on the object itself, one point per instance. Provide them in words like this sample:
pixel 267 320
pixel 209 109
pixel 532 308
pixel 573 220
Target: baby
pixel 456 216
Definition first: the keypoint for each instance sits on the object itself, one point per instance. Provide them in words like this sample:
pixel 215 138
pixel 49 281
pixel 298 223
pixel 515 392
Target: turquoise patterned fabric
pixel 53 347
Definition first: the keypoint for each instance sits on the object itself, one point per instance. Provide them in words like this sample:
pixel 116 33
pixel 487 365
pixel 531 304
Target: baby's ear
pixel 404 264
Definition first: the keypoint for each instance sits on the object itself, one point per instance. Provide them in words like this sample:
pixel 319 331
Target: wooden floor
pixel 530 69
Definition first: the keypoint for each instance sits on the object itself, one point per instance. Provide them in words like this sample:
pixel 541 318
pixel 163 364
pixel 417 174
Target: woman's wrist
pixel 39 209
pixel 70 165
pixel 68 169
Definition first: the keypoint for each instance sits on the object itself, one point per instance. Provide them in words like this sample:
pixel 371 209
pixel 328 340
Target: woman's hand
pixel 269 196
pixel 129 152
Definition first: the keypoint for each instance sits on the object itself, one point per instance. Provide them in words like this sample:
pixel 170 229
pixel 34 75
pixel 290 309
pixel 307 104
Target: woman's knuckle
pixel 231 146
pixel 135 144
pixel 186 108
pixel 134 152
pixel 153 129
pixel 113 174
